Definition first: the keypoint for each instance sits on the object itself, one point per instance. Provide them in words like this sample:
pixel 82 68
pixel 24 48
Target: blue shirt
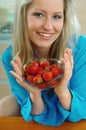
pixel 54 114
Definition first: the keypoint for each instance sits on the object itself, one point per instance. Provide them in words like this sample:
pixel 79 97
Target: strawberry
pixel 47 76
pixel 47 68
pixel 41 86
pixel 40 70
pixel 33 68
pixel 30 78
pixel 44 62
pixel 35 63
pixel 25 73
pixel 37 79
pixel 52 83
pixel 56 71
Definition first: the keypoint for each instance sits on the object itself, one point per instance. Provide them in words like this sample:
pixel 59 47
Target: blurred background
pixel 7 8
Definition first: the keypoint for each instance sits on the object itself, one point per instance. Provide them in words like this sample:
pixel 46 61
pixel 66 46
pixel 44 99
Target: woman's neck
pixel 41 52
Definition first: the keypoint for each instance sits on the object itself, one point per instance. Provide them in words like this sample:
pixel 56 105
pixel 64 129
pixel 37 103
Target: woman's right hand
pixel 18 74
pixel 35 93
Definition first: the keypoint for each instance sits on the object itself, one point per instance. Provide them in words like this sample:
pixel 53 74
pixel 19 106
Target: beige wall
pixel 81 8
pixel 6 10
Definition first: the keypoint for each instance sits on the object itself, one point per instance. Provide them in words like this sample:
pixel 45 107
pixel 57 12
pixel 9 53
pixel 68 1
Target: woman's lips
pixel 45 36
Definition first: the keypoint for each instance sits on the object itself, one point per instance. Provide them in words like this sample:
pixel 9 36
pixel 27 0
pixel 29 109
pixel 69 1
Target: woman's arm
pixel 35 94
pixel 77 84
pixel 22 94
pixel 62 90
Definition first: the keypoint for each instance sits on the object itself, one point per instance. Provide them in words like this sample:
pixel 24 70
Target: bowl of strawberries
pixel 43 73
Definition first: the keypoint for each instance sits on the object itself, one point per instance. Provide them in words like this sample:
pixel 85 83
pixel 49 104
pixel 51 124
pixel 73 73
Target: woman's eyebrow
pixel 59 12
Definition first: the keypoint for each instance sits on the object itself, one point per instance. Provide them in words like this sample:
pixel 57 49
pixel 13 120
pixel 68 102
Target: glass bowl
pixel 44 73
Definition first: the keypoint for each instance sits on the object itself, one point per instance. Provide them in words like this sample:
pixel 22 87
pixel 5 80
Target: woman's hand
pixel 62 88
pixel 18 74
pixel 35 93
pixel 68 68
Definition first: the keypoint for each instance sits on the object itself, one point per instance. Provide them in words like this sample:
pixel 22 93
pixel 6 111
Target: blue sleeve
pixel 18 91
pixel 54 114
pixel 78 82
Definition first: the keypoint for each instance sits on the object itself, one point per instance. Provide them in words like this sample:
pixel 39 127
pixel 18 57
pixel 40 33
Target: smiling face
pixel 44 21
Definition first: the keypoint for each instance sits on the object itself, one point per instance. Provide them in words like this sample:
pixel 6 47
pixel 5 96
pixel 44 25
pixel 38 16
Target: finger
pixel 67 64
pixel 21 81
pixel 24 66
pixel 66 51
pixel 70 57
pixel 16 56
pixel 66 57
pixel 18 61
pixel 16 68
pixel 16 75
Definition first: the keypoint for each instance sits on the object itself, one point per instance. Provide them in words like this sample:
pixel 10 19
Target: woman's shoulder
pixel 82 37
pixel 81 42
pixel 79 51
pixel 7 54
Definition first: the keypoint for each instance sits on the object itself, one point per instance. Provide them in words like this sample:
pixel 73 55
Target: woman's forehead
pixel 49 5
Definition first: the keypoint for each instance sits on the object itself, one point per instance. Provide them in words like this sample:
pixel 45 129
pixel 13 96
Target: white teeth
pixel 46 35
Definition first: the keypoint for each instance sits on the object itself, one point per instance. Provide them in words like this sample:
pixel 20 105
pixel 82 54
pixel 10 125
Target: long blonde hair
pixel 21 42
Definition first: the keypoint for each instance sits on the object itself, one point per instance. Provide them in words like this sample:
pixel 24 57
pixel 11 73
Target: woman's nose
pixel 47 24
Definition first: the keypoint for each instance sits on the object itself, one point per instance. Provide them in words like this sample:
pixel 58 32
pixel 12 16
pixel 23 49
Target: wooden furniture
pixel 18 123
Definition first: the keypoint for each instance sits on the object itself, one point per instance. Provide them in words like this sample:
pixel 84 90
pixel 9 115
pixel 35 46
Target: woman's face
pixel 45 21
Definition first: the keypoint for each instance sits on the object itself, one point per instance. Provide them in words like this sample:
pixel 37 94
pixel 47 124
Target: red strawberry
pixel 52 83
pixel 41 86
pixel 56 71
pixel 35 63
pixel 25 73
pixel 44 63
pixel 47 68
pixel 47 76
pixel 30 78
pixel 33 68
pixel 40 70
pixel 37 79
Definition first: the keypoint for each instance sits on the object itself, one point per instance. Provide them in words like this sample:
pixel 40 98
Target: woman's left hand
pixel 68 68
pixel 61 89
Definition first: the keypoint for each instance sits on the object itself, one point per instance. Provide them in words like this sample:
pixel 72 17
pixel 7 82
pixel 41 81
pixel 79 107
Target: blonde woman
pixel 50 29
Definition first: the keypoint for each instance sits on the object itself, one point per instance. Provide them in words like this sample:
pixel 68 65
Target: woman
pixel 48 29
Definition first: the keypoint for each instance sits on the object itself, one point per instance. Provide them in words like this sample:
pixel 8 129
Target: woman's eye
pixel 38 14
pixel 57 17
